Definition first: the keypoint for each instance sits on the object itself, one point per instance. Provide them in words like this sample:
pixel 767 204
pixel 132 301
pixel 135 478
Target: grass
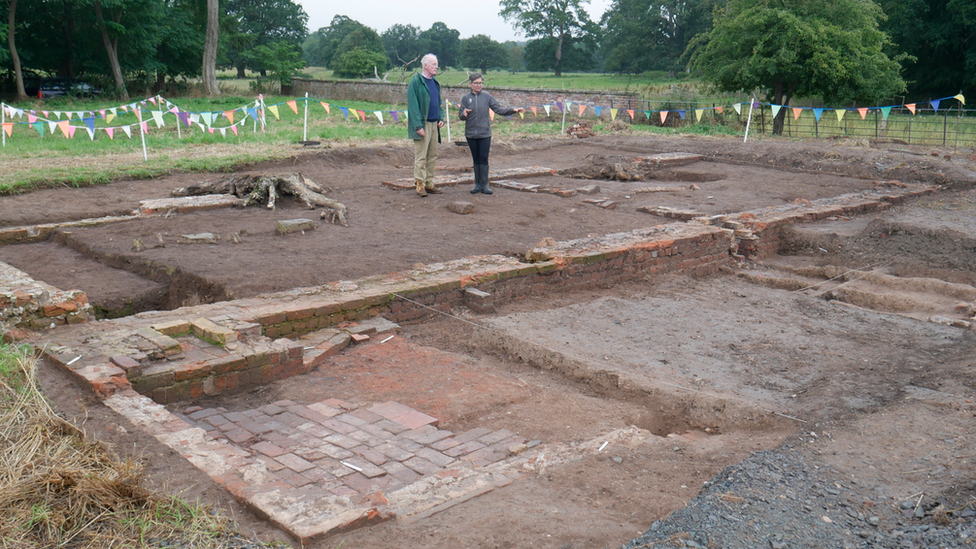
pixel 58 488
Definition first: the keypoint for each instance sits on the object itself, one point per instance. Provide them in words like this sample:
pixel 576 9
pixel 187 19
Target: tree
pixel 789 48
pixel 403 43
pixel 515 56
pixel 259 23
pixel 641 35
pixel 358 63
pixel 444 42
pixel 11 31
pixel 939 38
pixel 555 19
pixel 210 86
pixel 328 43
pixel 540 55
pixel 281 59
pixel 112 44
pixel 482 52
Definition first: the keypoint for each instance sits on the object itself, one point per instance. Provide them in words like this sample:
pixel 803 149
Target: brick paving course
pixel 339 450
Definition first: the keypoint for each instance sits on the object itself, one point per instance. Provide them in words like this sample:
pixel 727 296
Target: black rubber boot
pixel 484 179
pixel 477 179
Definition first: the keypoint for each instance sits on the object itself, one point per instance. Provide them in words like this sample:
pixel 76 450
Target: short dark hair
pixel 475 76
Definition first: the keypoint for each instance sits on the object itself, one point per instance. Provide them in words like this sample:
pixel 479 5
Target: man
pixel 425 117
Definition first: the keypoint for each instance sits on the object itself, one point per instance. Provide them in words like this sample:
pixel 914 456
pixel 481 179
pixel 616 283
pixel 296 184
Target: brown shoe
pixel 433 190
pixel 420 188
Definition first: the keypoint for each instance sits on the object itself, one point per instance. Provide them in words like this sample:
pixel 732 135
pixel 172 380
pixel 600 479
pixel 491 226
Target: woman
pixel 477 128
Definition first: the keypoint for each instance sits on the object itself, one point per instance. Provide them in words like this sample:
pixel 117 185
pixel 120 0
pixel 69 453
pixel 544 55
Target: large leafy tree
pixel 403 43
pixel 939 38
pixel 444 42
pixel 640 35
pixel 483 52
pixel 342 35
pixel 558 20
pixel 253 23
pixel 576 56
pixel 790 48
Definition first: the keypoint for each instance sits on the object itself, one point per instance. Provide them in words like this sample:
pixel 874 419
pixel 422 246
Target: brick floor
pixel 345 451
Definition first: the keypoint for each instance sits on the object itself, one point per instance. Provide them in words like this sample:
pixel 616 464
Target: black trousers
pixel 479 150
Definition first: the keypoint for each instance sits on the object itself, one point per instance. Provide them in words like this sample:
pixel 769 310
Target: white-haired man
pixel 425 117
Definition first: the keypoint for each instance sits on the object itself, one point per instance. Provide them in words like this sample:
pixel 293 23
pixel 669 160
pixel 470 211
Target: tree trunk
pixel 113 57
pixel 210 50
pixel 781 97
pixel 240 71
pixel 11 20
pixel 559 55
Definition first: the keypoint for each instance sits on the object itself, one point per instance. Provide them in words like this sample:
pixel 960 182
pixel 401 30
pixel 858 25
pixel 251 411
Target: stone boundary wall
pixel 386 92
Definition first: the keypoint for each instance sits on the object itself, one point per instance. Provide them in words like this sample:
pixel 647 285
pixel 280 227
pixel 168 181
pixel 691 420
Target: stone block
pixel 460 207
pixel 286 226
pixel 589 189
pixel 209 330
pixel 172 328
pixel 168 345
pixel 479 301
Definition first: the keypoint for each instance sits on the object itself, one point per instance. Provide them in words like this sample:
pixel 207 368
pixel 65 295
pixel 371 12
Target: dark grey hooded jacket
pixel 477 124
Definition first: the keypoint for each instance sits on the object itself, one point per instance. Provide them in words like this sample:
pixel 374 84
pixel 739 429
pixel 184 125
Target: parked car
pixel 45 88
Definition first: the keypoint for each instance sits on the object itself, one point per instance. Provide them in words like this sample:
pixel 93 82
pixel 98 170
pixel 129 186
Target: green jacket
pixel 418 103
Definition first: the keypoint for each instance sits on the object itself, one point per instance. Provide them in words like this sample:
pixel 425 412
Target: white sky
pixel 469 17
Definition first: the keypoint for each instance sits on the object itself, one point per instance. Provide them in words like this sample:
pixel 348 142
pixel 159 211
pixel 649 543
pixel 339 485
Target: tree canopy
pixel 642 35
pixel 559 20
pixel 482 52
pixel 788 48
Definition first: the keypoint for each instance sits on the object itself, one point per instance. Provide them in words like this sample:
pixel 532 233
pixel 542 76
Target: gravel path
pixel 788 499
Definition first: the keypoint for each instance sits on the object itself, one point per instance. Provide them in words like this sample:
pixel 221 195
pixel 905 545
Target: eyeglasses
pixel 477 83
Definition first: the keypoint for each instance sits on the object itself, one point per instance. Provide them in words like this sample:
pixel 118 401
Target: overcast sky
pixel 469 17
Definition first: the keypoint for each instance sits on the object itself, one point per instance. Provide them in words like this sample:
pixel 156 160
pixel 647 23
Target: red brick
pixel 195 370
pixel 294 462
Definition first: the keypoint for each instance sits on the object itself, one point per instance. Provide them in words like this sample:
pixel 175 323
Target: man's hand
pixel 420 132
pixel 440 123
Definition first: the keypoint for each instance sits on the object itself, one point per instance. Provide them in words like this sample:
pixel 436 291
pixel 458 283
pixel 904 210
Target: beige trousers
pixel 425 155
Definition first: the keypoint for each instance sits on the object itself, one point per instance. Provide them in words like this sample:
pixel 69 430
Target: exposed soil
pixel 885 394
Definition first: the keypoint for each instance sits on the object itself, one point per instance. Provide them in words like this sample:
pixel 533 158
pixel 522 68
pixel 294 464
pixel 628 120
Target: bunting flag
pixel 31 119
pixel 817 113
pixel 138 114
pixel 776 109
pixel 158 118
pixel 345 112
pixel 396 118
pixel 581 109
pixel 613 114
pixel 362 115
pixel 90 122
pixel 184 118
pixel 91 133
pixel 274 111
pixel 719 109
pixel 111 133
pixel 559 105
pixel 51 127
pixel 109 117
pixel 840 114
pixel 738 108
pixel 234 129
pixel 326 107
pixel 253 113
pixel 152 100
pixel 681 113
pixel 884 112
pixel 128 131
pixel 698 114
pixel 8 128
pixel 293 104
pixel 863 111
pixel 647 114
pixel 378 114
pixel 664 116
pixel 631 113
pixel 39 126
pixel 909 107
pixel 65 128
pixel 797 111
pixel 935 104
pixel 597 109
pixel 522 115
pixel 144 126
pixel 229 115
pixel 223 132
pixel 960 98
